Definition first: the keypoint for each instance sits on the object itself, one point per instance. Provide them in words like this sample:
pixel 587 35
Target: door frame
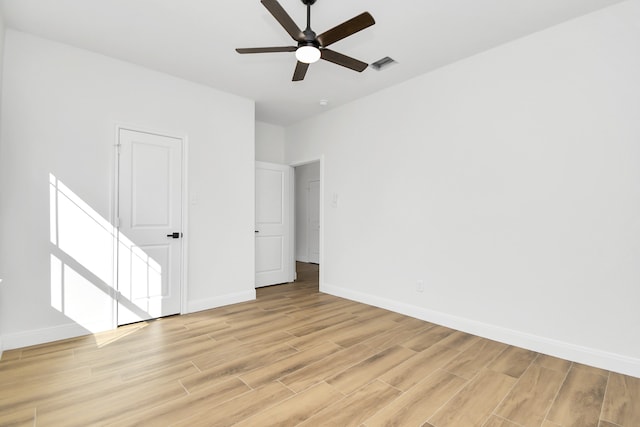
pixel 308 239
pixel 184 208
pixel 322 228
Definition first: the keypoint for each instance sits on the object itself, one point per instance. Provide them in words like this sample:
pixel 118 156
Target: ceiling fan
pixel 312 47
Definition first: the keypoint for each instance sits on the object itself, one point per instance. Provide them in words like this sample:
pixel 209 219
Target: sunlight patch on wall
pixel 81 260
pixel 78 298
pixel 83 272
pixel 56 284
pixel 81 232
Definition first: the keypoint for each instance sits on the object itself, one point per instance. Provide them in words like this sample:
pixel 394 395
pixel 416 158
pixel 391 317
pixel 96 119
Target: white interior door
pixel 150 226
pixel 313 228
pixel 274 221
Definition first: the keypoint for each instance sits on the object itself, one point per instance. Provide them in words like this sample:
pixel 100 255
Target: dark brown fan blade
pixel 300 72
pixel 267 49
pixel 346 29
pixel 344 60
pixel 284 19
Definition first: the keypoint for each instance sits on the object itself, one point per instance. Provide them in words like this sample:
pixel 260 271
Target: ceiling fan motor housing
pixel 309 38
pixel 308 2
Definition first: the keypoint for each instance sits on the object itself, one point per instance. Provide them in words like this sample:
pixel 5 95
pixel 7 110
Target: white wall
pixel 1 66
pixel 60 109
pixel 269 143
pixel 1 44
pixel 509 182
pixel 303 175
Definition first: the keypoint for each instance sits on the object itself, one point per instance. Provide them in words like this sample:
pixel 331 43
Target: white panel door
pixel 150 231
pixel 313 228
pixel 274 221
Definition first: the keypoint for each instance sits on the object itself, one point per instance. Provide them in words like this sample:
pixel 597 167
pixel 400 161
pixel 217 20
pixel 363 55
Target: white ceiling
pixel 195 40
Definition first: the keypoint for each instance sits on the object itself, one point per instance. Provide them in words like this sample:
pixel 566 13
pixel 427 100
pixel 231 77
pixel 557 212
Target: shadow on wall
pixel 85 280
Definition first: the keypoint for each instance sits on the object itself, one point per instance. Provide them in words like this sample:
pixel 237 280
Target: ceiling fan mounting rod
pixel 309 34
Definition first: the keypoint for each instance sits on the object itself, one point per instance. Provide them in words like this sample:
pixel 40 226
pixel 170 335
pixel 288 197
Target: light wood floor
pixel 299 357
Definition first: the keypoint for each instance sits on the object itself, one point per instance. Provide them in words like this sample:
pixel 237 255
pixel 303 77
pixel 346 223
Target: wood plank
pixel 113 403
pixel 473 405
pixel 473 359
pixel 207 326
pixel 258 319
pixel 355 408
pixel 319 324
pixel 622 400
pixel 235 410
pixel 529 401
pixel 366 371
pixel 418 404
pixel 36 393
pixel 283 323
pixel 297 409
pixel 288 365
pixel 199 402
pixel 9 355
pixel 326 334
pixel 37 366
pixel 579 401
pixel 459 340
pixel 427 338
pixel 514 361
pixel 173 371
pixel 412 323
pixel 608 424
pixel 58 346
pixel 236 367
pixel 416 368
pixel 396 336
pixel 362 331
pixel 327 367
pixel 590 369
pixel 496 421
pixel 230 349
pixel 155 358
pixel 18 418
pixel 376 314
pixel 42 384
pixel 553 363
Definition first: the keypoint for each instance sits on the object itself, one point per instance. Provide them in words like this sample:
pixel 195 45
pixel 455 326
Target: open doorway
pixel 307 220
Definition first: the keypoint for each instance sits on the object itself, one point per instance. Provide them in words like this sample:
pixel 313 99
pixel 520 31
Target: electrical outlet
pixel 420 286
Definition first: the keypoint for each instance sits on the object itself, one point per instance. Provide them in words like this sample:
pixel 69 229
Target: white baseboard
pixel 1 348
pixel 44 335
pixel 209 303
pixel 576 353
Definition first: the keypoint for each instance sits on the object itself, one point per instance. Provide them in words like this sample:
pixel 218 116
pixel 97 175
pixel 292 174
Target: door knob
pixel 175 235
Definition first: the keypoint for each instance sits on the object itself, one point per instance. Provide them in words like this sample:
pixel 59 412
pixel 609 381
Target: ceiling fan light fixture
pixel 308 54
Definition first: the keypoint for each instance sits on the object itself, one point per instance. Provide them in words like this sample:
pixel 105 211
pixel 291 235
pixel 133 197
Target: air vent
pixel 383 63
